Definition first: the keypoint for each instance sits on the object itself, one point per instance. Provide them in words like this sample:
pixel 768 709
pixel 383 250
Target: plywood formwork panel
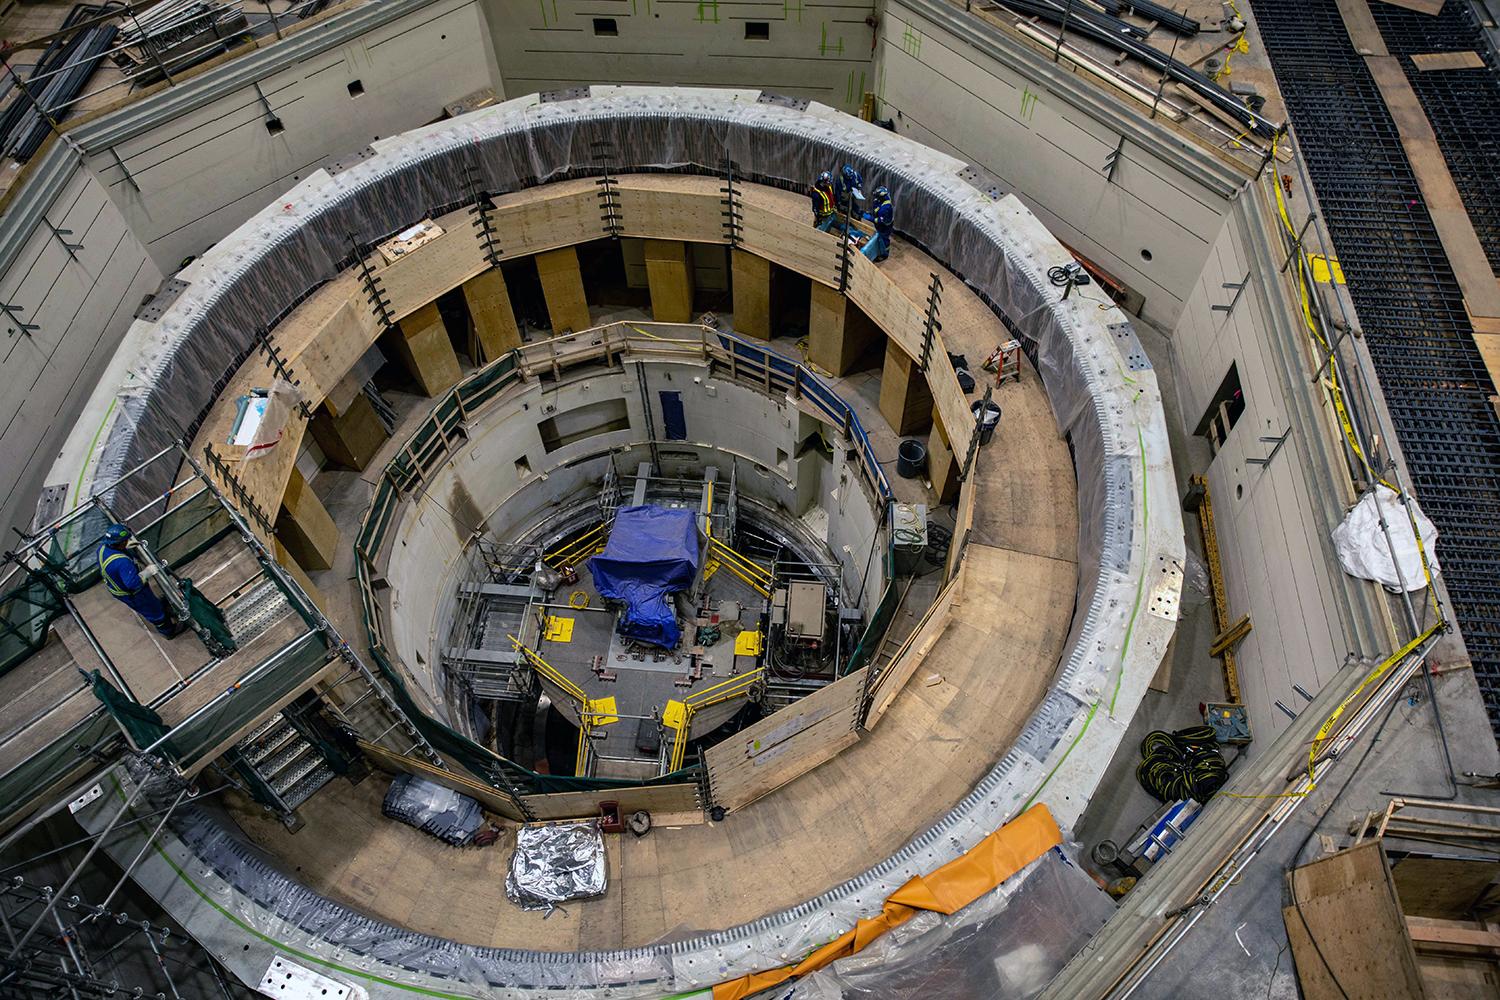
pixel 669 275
pixel 751 285
pixel 659 206
pixel 785 744
pixel 493 315
pixel 562 286
pixel 1347 932
pixel 423 346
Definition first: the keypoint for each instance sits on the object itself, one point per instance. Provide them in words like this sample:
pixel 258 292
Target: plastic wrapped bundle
pixel 431 808
pixel 556 863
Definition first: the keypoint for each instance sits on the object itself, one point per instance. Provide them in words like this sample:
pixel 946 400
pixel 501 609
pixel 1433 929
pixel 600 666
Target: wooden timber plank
pixel 1429 62
pixel 1455 229
pixel 1429 7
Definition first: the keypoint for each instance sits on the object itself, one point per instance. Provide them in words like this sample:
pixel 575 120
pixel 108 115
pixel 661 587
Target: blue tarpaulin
pixel 652 552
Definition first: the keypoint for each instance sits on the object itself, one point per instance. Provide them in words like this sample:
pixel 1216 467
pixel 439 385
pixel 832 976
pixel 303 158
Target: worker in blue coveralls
pixel 824 215
pixel 882 214
pixel 128 585
pixel 848 188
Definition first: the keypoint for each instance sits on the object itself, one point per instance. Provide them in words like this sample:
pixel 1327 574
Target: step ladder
pixel 287 762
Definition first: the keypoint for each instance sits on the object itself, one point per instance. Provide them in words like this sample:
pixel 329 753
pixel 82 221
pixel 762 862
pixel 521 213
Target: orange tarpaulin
pixel 947 890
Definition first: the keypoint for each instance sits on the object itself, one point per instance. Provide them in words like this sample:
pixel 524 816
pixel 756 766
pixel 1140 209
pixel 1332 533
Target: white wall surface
pixel 1272 521
pixel 196 177
pixel 81 306
pixel 821 51
pixel 946 93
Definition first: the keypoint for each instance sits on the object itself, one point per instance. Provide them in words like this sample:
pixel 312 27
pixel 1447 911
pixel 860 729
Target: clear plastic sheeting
pixel 1130 546
pixel 1365 552
pixel 556 862
pixel 445 814
pixel 1008 944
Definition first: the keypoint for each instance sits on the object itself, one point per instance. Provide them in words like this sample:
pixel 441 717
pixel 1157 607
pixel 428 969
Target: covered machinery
pixel 653 552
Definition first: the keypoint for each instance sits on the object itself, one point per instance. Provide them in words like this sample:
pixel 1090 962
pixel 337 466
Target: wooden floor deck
pixel 967 703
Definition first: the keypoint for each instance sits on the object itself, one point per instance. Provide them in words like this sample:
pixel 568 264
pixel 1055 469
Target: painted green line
pixel 543 5
pixel 1140 583
pixel 1066 754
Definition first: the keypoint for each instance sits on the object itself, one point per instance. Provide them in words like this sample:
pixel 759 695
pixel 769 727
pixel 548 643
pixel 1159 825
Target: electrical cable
pixel 1186 764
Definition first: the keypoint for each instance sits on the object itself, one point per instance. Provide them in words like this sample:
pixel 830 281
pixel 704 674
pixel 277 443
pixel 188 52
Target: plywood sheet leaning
pixel 1348 936
pixel 785 744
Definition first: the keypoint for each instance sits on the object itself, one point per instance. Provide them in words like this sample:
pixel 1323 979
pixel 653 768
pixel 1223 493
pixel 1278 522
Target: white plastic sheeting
pixel 1365 552
pixel 1102 391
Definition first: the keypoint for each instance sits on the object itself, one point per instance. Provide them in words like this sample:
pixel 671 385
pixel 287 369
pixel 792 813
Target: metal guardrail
pixel 445 432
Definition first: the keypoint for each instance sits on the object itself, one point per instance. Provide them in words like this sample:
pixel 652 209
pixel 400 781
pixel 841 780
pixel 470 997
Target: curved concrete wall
pixel 1102 389
pixel 726 422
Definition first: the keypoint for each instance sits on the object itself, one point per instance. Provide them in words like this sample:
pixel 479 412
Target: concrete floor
pixel 1239 948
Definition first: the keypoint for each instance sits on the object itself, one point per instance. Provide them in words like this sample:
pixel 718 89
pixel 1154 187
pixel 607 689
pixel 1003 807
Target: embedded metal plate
pixel 49 506
pixel 795 103
pixel 1129 346
pixel 285 978
pixel 985 181
pixel 570 94
pixel 1166 588
pixel 342 163
pixel 156 306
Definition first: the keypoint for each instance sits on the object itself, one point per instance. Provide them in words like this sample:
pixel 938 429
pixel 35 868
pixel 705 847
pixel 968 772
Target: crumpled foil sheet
pixel 556 863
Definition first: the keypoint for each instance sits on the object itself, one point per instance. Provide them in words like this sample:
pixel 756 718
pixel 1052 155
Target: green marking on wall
pixel 788 9
pixel 825 46
pixel 880 88
pixel 707 8
pixel 911 42
pixel 543 5
pixel 1028 103
pixel 860 92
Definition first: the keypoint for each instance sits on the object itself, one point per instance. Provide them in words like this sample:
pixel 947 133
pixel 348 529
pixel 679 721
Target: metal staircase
pixel 286 761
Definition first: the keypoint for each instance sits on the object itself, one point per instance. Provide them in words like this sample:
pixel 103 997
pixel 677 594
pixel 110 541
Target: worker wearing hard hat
pixel 823 204
pixel 848 188
pixel 128 584
pixel 882 214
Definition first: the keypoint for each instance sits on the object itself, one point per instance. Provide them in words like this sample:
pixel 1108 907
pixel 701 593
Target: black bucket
pixel 989 421
pixel 911 459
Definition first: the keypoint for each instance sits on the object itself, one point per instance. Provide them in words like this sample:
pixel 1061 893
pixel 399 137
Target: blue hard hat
pixel 882 192
pixel 854 181
pixel 825 178
pixel 116 534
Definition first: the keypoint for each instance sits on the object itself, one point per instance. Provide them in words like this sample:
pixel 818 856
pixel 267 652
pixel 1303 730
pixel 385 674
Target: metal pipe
pixel 125 875
pixel 73 877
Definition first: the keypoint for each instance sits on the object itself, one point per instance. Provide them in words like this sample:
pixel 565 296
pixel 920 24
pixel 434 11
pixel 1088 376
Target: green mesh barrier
pixel 207 615
pixel 49 766
pixel 143 724
pixel 26 609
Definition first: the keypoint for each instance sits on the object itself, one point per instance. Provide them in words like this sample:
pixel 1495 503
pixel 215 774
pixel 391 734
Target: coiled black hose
pixel 1186 764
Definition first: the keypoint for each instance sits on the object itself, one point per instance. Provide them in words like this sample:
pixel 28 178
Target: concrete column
pixel 562 286
pixel 350 437
pixel 304 526
pixel 905 401
pixel 838 333
pixel 943 466
pixel 422 346
pixel 750 279
pixel 494 319
pixel 669 273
